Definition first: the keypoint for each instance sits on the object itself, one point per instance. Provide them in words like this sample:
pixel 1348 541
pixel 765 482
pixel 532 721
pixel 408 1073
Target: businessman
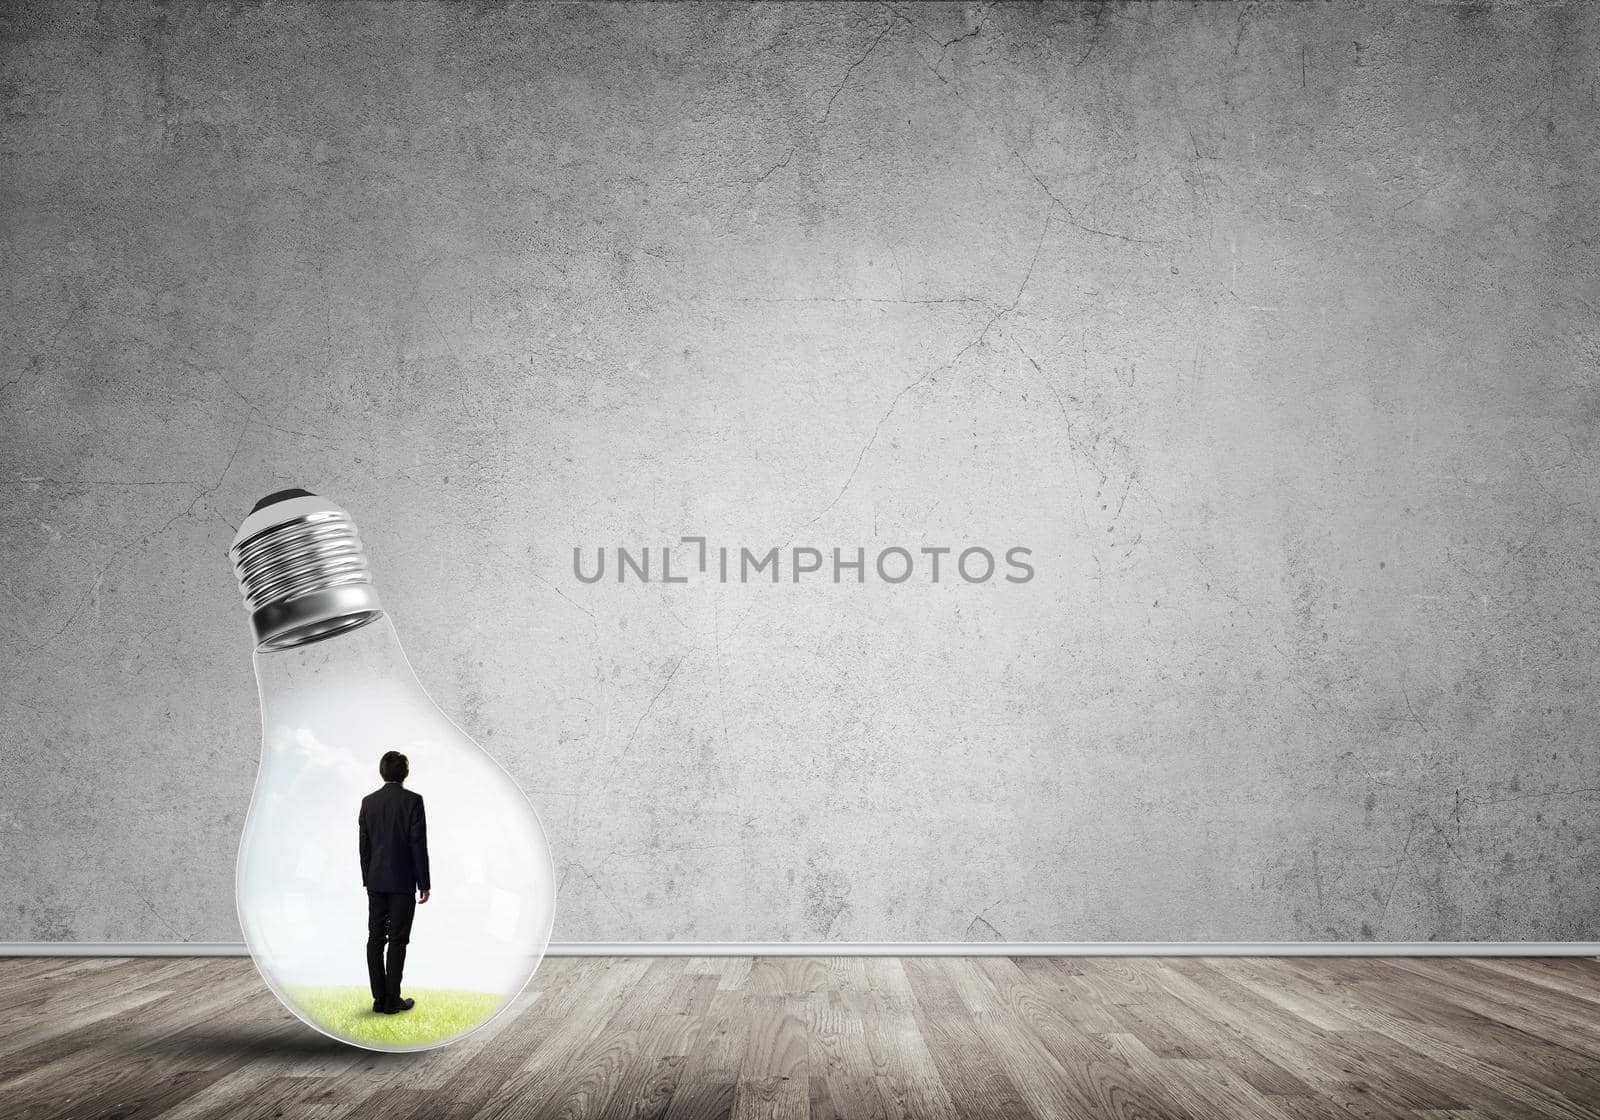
pixel 394 869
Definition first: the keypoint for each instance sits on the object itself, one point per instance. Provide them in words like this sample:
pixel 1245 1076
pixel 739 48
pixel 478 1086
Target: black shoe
pixel 399 1006
pixel 377 1006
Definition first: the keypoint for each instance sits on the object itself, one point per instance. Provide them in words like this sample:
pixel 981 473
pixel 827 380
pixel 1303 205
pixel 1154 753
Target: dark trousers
pixel 388 920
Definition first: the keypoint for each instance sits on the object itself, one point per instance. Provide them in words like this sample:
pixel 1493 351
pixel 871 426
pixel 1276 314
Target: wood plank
pixel 976 1083
pixel 909 1082
pixel 1059 1070
pixel 580 1057
pixel 773 1080
pixel 705 1090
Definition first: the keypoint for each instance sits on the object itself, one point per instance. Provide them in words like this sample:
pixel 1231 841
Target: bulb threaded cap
pixel 302 570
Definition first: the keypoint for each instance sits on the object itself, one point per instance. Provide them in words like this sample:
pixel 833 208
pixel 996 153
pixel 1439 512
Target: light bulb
pixel 336 694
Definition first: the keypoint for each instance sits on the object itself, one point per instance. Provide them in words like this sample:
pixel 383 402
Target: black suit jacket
pixel 394 841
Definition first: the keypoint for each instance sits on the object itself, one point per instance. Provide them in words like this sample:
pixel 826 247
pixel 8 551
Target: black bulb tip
pixel 281 496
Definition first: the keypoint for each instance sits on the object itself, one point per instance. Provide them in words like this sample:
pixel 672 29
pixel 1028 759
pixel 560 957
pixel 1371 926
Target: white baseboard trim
pixel 894 949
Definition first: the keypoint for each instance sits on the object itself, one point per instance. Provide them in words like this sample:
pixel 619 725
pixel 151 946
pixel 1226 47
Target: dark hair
pixel 394 766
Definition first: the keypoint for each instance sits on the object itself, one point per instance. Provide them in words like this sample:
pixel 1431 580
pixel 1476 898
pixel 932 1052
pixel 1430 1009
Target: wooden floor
pixel 835 1037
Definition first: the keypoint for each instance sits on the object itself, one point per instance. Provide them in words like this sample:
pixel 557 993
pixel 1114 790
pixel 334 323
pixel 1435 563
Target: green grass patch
pixel 440 1013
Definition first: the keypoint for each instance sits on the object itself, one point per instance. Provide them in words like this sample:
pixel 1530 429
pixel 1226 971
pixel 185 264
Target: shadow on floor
pixel 262 1043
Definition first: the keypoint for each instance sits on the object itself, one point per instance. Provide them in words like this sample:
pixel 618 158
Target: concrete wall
pixel 1270 330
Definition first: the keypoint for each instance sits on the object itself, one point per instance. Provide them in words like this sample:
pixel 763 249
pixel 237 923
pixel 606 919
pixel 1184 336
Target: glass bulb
pixel 336 694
